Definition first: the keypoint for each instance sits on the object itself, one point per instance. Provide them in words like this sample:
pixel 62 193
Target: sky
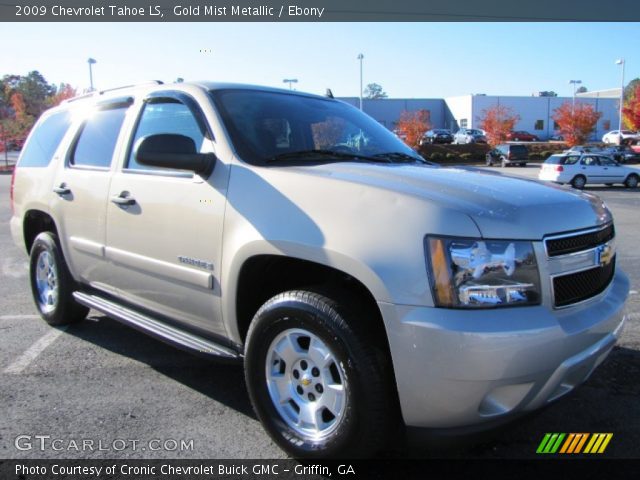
pixel 409 60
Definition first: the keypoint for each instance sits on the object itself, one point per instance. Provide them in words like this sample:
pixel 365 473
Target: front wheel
pixel 316 381
pixel 51 283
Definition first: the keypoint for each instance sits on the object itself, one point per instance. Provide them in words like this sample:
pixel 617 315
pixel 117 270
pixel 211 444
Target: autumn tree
pixel 498 121
pixel 413 125
pixel 23 98
pixel 631 88
pixel 64 92
pixel 373 91
pixel 631 110
pixel 576 122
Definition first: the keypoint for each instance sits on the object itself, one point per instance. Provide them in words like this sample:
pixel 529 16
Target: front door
pixel 164 227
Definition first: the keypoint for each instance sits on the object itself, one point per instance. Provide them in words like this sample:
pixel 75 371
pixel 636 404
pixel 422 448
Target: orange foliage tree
pixel 413 125
pixel 576 123
pixel 631 110
pixel 64 92
pixel 498 121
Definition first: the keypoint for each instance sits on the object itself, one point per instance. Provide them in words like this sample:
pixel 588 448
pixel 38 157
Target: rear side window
pixel 45 140
pixel 519 149
pixel 555 160
pixel 97 141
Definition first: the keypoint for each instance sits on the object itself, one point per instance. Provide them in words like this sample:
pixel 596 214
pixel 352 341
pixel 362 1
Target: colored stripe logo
pixel 573 443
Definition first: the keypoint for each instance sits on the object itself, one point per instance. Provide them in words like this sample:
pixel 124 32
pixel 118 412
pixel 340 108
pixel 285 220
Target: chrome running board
pixel 156 328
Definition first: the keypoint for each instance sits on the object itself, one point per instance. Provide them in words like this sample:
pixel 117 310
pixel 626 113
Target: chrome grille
pixel 585 241
pixel 576 287
pixel 581 264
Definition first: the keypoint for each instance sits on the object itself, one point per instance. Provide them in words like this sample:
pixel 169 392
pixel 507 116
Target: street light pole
pixel 91 61
pixel 620 62
pixel 573 102
pixel 360 57
pixel 290 81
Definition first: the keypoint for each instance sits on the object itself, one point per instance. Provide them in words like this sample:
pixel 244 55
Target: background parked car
pixel 437 135
pixel 469 135
pixel 577 149
pixel 614 136
pixel 508 154
pixel 622 154
pixel 587 168
pixel 522 136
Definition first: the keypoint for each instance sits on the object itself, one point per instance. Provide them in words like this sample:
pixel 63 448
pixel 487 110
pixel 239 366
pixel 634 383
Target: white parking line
pixel 33 351
pixel 19 317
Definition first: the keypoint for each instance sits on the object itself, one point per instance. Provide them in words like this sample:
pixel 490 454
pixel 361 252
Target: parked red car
pixel 522 136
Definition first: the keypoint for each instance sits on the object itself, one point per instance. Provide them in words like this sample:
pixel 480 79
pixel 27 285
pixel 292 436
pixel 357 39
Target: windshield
pixel 271 125
pixel 474 132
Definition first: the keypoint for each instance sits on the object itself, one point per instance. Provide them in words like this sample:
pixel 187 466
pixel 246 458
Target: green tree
pixel 629 90
pixel 373 91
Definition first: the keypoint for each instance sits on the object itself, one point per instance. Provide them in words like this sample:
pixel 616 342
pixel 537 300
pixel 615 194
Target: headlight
pixel 473 273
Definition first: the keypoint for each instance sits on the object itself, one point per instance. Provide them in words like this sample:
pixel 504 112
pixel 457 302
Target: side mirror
pixel 177 152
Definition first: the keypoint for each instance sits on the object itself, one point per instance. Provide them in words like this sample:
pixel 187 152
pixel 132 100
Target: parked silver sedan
pixel 587 168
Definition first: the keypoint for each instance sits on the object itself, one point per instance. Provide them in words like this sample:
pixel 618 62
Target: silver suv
pixel 360 287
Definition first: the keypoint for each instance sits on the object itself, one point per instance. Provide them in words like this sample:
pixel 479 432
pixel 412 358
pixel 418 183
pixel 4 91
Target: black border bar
pixel 319 11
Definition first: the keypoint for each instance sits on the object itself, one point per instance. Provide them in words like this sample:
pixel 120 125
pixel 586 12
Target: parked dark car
pixel 437 135
pixel 622 154
pixel 508 154
pixel 522 136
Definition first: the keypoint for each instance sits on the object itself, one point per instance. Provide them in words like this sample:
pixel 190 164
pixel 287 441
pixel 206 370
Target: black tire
pixel 364 370
pixel 631 181
pixel 503 162
pixel 578 182
pixel 57 308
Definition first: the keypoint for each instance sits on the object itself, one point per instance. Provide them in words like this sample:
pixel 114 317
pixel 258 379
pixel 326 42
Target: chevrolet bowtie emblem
pixel 604 254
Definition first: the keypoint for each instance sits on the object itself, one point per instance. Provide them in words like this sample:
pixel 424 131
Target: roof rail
pixel 102 92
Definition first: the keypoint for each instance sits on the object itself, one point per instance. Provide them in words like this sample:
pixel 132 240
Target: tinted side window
pixel 45 140
pixel 167 117
pixel 97 140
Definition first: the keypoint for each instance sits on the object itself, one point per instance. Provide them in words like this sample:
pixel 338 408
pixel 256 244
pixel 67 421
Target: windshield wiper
pixel 326 153
pixel 403 156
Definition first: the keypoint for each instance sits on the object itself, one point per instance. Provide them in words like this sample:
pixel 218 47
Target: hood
pixel 500 205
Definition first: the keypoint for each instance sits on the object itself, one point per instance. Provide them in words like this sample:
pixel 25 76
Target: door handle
pixel 62 189
pixel 124 199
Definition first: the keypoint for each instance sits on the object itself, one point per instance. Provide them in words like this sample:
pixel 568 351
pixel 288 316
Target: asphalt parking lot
pixel 134 397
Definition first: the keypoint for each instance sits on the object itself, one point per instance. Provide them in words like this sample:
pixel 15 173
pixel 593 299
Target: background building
pixel 466 111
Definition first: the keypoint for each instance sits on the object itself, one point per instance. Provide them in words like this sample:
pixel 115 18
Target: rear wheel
pixel 631 181
pixel 52 285
pixel 578 182
pixel 316 379
pixel 503 162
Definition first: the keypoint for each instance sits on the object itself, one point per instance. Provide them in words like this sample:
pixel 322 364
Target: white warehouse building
pixel 466 111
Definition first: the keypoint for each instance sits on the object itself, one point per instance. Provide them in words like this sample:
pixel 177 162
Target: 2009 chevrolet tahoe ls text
pixel 361 286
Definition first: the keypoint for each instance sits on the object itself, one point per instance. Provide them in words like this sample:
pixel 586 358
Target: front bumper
pixel 462 368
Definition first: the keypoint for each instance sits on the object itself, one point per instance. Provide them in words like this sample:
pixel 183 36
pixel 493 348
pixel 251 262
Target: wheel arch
pixel 263 276
pixel 35 222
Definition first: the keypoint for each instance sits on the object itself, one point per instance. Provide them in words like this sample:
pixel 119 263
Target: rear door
pixel 165 245
pixel 80 190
